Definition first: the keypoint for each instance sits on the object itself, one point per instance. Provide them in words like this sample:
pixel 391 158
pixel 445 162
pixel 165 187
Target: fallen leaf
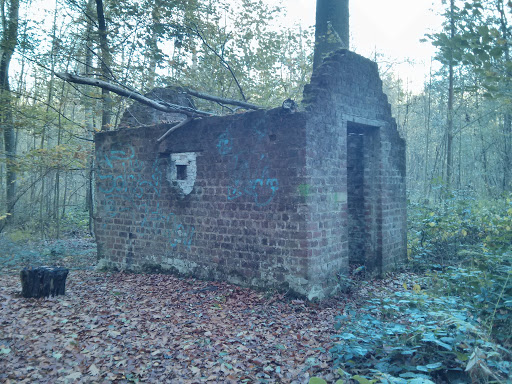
pixel 93 370
pixel 72 376
pixel 196 371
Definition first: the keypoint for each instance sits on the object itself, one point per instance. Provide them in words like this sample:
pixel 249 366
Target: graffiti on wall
pixel 127 190
pixel 250 172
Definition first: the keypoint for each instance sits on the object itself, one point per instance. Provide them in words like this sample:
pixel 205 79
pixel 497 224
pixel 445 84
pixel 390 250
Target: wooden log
pixel 43 281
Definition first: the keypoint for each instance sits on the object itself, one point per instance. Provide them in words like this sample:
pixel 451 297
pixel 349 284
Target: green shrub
pixel 458 329
pixel 75 222
pixel 466 248
pixel 414 337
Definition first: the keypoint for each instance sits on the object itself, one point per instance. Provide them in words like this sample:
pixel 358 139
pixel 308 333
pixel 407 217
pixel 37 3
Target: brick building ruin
pixel 269 198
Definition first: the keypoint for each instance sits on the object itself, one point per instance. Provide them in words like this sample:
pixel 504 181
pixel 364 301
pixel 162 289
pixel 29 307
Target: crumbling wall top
pixel 138 115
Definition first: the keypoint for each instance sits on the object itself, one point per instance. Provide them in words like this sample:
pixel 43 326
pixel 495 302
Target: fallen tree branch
pixel 172 129
pixel 221 100
pixel 161 106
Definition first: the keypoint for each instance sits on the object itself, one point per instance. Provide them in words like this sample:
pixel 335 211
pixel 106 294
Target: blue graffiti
pixel 250 172
pixel 181 235
pixel 260 187
pixel 121 154
pixel 224 144
pixel 127 190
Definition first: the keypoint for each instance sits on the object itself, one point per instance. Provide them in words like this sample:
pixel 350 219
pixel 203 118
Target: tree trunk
pixel 105 66
pixel 153 45
pixel 428 115
pixel 89 121
pixel 332 28
pixel 507 159
pixel 43 281
pixel 8 43
pixel 507 118
pixel 449 123
pixel 43 222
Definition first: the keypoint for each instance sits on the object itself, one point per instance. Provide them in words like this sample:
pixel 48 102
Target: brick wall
pixel 346 94
pixel 261 199
pixel 243 218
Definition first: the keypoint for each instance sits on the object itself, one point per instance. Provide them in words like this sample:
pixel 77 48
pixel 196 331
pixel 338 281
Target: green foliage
pixel 465 246
pixel 4 216
pixel 75 222
pixel 270 64
pixel 317 380
pixel 457 326
pixel 481 41
pixel 486 287
pixel 413 337
pixel 60 157
pixel 20 235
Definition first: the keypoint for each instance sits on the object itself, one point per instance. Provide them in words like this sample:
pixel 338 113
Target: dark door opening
pixel 363 196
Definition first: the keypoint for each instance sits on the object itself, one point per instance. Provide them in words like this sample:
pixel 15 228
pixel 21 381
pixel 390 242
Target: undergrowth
pixel 73 253
pixel 74 223
pixel 455 326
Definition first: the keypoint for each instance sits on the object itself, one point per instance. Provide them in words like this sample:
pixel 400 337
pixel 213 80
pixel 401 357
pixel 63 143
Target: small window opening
pixel 181 172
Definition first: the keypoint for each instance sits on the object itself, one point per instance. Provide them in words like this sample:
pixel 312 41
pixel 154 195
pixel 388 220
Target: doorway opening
pixel 363 197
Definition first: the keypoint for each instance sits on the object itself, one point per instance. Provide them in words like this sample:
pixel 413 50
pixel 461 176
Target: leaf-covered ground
pixel 159 328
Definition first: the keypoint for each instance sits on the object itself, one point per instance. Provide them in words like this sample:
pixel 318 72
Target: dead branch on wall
pixel 172 129
pixel 221 100
pixel 161 106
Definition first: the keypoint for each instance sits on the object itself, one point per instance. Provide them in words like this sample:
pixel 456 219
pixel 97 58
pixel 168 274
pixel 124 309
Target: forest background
pixel 458 126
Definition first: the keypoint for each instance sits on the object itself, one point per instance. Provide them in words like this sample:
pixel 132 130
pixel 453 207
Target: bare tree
pixel 8 43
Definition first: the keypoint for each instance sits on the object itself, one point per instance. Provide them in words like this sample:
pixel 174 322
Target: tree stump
pixel 43 281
